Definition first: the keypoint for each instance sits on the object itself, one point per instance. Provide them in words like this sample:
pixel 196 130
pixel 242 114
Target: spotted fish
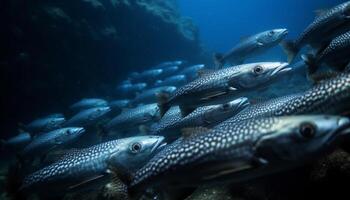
pixel 335 55
pixel 149 96
pixel 207 116
pixel 133 118
pixel 242 151
pixel 325 27
pixel 52 140
pixel 222 86
pixel 88 117
pixel 251 46
pixel 82 167
pixel 88 103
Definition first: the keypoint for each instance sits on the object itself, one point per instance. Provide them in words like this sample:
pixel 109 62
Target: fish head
pixel 300 138
pixel 135 151
pixel 258 74
pixel 156 72
pixel 272 36
pixel 69 134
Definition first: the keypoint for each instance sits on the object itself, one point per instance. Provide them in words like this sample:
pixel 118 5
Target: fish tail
pixel 163 103
pixel 218 60
pixel 290 49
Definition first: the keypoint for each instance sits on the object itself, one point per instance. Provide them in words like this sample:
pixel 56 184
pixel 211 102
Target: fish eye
pixel 307 130
pixel 68 132
pixel 258 69
pixel 271 33
pixel 136 147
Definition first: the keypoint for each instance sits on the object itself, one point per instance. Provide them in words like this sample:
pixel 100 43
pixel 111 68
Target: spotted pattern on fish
pixel 328 18
pixel 234 141
pixel 329 96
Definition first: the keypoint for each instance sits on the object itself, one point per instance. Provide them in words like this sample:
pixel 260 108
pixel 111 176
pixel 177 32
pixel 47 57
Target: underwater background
pixel 57 52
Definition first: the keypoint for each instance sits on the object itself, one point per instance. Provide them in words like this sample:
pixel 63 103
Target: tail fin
pixel 310 61
pixel 163 103
pixel 218 60
pixel 290 49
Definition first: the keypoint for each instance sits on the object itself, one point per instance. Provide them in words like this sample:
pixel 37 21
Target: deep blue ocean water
pixel 222 23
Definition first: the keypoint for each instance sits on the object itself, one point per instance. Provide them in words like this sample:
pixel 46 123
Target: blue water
pixel 222 23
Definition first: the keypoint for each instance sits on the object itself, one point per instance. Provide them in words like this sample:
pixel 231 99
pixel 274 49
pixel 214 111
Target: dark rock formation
pixel 54 52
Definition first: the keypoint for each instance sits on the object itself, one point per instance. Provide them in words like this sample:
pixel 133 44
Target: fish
pixel 55 115
pixel 44 124
pixel 335 55
pixel 87 103
pixel 168 71
pixel 80 168
pixel 250 47
pixel 177 80
pixel 242 151
pixel 150 95
pixel 118 105
pixel 262 109
pixel 46 142
pixel 169 63
pixel 133 118
pixel 89 117
pixel 191 72
pixel 129 89
pixel 147 75
pixel 17 141
pixel 222 86
pixel 207 116
pixel 323 29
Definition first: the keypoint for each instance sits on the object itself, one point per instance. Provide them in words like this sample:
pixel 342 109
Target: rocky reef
pixel 57 51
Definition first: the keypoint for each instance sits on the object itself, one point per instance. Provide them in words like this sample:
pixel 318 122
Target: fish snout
pixel 282 68
pixel 158 144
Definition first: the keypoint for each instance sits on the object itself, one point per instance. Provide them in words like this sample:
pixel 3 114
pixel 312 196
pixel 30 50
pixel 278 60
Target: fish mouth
pixel 283 68
pixel 342 130
pixel 159 144
pixel 81 131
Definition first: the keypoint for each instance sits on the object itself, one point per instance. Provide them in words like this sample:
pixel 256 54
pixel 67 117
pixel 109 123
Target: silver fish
pixel 129 89
pixel 176 81
pixel 44 124
pixel 133 118
pixel 17 141
pixel 147 76
pixel 88 103
pixel 150 96
pixel 82 167
pixel 242 151
pixel 191 72
pixel 118 105
pixel 251 46
pixel 169 63
pixel 222 86
pixel 321 30
pixel 207 116
pixel 87 117
pixel 52 140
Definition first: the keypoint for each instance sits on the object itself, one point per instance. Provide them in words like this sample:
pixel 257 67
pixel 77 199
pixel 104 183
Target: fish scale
pixel 250 144
pixel 227 139
pixel 80 164
pixel 325 19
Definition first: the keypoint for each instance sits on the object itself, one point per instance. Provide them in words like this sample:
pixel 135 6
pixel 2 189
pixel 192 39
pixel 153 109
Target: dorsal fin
pixel 188 132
